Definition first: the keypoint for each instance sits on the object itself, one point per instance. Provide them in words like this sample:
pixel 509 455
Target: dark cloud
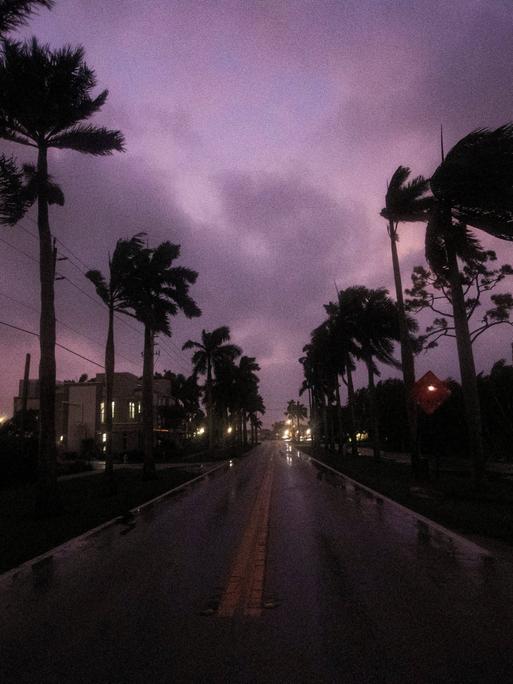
pixel 259 137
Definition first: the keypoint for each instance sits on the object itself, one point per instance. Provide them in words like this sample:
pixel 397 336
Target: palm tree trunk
pixel 316 420
pixel 467 368
pixel 147 397
pixel 350 400
pixel 331 439
pixel 109 386
pixel 339 414
pixel 407 359
pixel 324 423
pixel 210 417
pixel 244 428
pixel 222 423
pixel 47 498
pixel 376 446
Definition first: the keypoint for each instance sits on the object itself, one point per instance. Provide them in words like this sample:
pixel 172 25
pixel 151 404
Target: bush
pixel 18 460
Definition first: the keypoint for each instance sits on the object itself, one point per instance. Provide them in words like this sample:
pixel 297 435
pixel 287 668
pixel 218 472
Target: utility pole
pixel 24 401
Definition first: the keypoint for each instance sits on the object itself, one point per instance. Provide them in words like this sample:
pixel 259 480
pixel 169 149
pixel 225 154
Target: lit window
pixel 102 410
pixel 131 410
pixel 139 407
pixel 104 437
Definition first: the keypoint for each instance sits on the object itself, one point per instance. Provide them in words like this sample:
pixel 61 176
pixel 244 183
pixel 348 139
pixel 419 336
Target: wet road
pixel 272 570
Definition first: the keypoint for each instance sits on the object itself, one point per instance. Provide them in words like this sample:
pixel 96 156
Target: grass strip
pixel 449 500
pixel 24 536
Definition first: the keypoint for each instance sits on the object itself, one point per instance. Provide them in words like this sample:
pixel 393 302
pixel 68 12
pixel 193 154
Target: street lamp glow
pixel 201 431
pixel 229 430
pixel 3 419
pixel 431 388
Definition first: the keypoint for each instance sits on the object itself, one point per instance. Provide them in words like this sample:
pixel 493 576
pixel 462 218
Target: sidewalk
pixel 99 467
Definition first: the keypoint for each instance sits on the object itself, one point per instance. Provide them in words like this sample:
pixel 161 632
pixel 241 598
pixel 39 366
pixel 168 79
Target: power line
pixel 66 325
pixel 17 249
pixel 57 344
pixel 77 258
pixel 172 354
pixel 125 322
pixel 86 294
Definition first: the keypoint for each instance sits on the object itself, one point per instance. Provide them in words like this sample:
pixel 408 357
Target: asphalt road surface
pixel 272 570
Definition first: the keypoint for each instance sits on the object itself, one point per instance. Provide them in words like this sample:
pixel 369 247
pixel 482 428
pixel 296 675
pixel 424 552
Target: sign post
pixel 429 392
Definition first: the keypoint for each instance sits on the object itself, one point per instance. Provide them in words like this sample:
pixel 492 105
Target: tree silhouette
pixel 430 292
pixel 45 96
pixel 14 13
pixel 13 204
pixel 405 202
pixel 157 291
pixel 296 412
pixel 374 322
pixel 473 186
pixel 114 292
pixel 211 352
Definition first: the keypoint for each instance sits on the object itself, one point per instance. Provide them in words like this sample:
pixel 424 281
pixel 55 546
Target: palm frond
pixel 219 336
pixel 89 139
pixel 98 280
pixel 498 224
pixel 191 344
pixel 406 201
pixel 435 248
pixel 33 187
pixel 478 171
pixel 13 201
pixel 14 13
pixel 45 94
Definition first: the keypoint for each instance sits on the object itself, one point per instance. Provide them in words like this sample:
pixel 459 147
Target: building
pixel 80 411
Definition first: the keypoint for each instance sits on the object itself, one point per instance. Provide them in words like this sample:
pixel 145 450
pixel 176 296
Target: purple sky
pixel 260 136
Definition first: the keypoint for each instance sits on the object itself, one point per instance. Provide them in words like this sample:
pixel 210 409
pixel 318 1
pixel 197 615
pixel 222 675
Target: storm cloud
pixel 260 137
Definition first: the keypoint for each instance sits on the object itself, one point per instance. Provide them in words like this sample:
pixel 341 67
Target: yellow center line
pixel 247 574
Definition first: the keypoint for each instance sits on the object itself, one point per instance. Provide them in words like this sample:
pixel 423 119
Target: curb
pixel 10 574
pixel 461 540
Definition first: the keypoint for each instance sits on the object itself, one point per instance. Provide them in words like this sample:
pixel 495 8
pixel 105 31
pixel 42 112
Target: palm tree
pixel 156 291
pixel 13 13
pixel 211 352
pixel 254 406
pixel 45 96
pixel 113 293
pixel 330 363
pixel 296 411
pixel 471 187
pixel 314 371
pixel 225 401
pixel 186 392
pixel 247 386
pixel 13 205
pixel 342 349
pixel 405 202
pixel 375 328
